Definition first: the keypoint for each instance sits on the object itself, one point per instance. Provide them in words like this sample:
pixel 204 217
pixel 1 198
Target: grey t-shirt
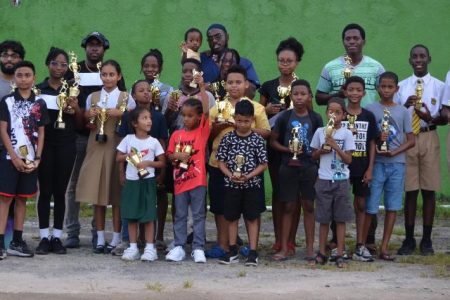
pixel 399 125
pixel 5 87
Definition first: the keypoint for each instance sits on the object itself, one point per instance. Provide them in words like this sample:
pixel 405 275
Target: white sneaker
pixel 149 254
pixel 130 254
pixel 176 254
pixel 199 256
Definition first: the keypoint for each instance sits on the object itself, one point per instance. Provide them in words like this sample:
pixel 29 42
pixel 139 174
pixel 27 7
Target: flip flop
pixel 386 257
pixel 279 257
pixel 311 260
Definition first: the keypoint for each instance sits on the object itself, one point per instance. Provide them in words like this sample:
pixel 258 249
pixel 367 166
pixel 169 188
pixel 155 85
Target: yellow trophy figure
pixel 134 158
pixel 177 150
pixel 13 86
pixel 74 91
pixel 329 131
pixel 296 145
pixel 184 164
pixel 383 147
pixel 419 93
pixel 283 92
pixel 220 110
pixel 215 87
pixel 352 123
pixel 175 95
pixel 156 93
pixel 101 136
pixel 23 152
pixel 229 112
pixel 194 73
pixel 348 67
pixel 61 101
pixel 122 108
pixel 239 160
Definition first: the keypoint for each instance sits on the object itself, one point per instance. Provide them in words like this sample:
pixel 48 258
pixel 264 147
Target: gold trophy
pixel 177 150
pixel 101 136
pixel 329 131
pixel 352 123
pixel 348 67
pixel 283 92
pixel 239 160
pixel 194 73
pixel 61 101
pixel 221 105
pixel 156 93
pixel 36 91
pixel 385 128
pixel 184 164
pixel 296 145
pixel 215 87
pixel 23 151
pixel 229 108
pixel 134 158
pixel 122 108
pixel 175 95
pixel 91 123
pixel 419 93
pixel 99 66
pixel 13 86
pixel 74 91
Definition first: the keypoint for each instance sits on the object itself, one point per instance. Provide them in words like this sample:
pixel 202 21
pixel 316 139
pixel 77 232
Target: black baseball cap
pixel 95 35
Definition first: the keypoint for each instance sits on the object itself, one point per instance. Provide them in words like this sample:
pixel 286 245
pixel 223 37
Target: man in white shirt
pixel 423 160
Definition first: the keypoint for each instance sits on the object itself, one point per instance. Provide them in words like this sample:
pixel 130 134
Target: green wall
pixel 255 27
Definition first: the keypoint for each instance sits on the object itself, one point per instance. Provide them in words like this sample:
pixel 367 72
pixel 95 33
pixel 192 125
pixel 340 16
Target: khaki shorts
pixel 423 163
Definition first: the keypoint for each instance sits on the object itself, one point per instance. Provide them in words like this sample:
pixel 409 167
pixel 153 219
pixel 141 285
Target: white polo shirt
pixel 445 100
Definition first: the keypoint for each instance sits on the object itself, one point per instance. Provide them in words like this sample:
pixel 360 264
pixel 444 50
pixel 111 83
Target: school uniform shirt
pixel 24 117
pixel 445 99
pixel 366 132
pixel 195 175
pixel 252 147
pixel 431 97
pixel 331 166
pixel 260 122
pixel 332 77
pixel 269 90
pixel 164 89
pixel 305 135
pixel 107 99
pixel 149 147
pixel 54 136
pixel 399 125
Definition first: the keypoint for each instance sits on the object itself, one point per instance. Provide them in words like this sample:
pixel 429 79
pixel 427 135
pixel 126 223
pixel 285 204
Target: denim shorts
pixel 390 179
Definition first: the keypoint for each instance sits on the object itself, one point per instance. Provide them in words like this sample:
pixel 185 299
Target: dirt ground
pixel 83 275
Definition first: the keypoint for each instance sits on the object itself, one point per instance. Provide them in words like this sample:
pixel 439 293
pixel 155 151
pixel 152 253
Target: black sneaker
pixel 57 246
pixel 99 249
pixel 426 247
pixel 44 247
pixel 252 259
pixel 231 257
pixel 2 253
pixel 19 249
pixel 408 247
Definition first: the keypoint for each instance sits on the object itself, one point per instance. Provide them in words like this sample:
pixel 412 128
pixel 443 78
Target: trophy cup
pixel 229 108
pixel 194 73
pixel 13 86
pixel 352 123
pixel 156 93
pixel 36 91
pixel 419 93
pixel 283 92
pixel 239 160
pixel 215 86
pixel 101 137
pixel 91 123
pixel 175 95
pixel 99 66
pixel 61 101
pixel 329 131
pixel 23 151
pixel 348 67
pixel 122 108
pixel 184 163
pixel 74 91
pixel 177 150
pixel 296 145
pixel 220 110
pixel 385 128
pixel 134 158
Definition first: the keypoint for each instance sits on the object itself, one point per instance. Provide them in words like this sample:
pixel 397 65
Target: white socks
pixel 133 246
pixel 44 233
pixel 150 246
pixel 57 233
pixel 101 238
pixel 116 239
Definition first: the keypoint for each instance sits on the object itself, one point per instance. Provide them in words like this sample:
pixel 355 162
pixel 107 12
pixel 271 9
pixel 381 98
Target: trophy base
pixel 237 174
pixel 383 149
pixel 101 138
pixel 73 92
pixel 231 121
pixel 193 85
pixel 183 165
pixel 354 131
pixel 326 147
pixel 220 119
pixel 60 125
pixel 143 173
pixel 294 163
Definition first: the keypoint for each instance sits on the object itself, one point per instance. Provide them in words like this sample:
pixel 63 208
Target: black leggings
pixel 54 174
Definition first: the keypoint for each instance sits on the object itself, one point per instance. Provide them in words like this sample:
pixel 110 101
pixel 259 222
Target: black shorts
pixel 360 188
pixel 297 183
pixel 243 201
pixel 216 189
pixel 16 184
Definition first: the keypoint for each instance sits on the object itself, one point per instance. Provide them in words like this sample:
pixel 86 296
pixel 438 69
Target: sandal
pixel 291 249
pixel 109 248
pixel 386 257
pixel 311 260
pixel 99 249
pixel 279 257
pixel 276 247
pixel 340 262
pixel 321 259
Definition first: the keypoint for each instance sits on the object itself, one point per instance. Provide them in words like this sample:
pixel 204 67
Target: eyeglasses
pixel 57 64
pixel 215 37
pixel 13 56
pixel 285 61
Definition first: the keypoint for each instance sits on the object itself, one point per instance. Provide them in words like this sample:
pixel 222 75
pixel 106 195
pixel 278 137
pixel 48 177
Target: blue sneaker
pixel 244 251
pixel 215 252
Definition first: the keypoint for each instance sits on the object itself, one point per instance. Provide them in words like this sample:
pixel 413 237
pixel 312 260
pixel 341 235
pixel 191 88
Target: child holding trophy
pixel 138 203
pixel 291 137
pixel 332 187
pixel 58 155
pixel 98 183
pixel 23 117
pixel 187 151
pixel 242 157
pixel 389 168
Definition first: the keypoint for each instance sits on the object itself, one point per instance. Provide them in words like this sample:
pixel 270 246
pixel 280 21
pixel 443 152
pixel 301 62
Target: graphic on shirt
pixel 362 128
pixel 337 165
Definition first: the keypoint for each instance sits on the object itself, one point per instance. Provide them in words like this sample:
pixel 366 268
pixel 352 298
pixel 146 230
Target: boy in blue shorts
pixel 22 121
pixel 388 180
pixel 242 158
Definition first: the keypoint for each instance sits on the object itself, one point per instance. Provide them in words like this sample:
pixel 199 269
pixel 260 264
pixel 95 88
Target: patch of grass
pixel 399 230
pixel 439 260
pixel 156 287
pixel 442 271
pixel 188 284
pixel 352 267
pixel 242 273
